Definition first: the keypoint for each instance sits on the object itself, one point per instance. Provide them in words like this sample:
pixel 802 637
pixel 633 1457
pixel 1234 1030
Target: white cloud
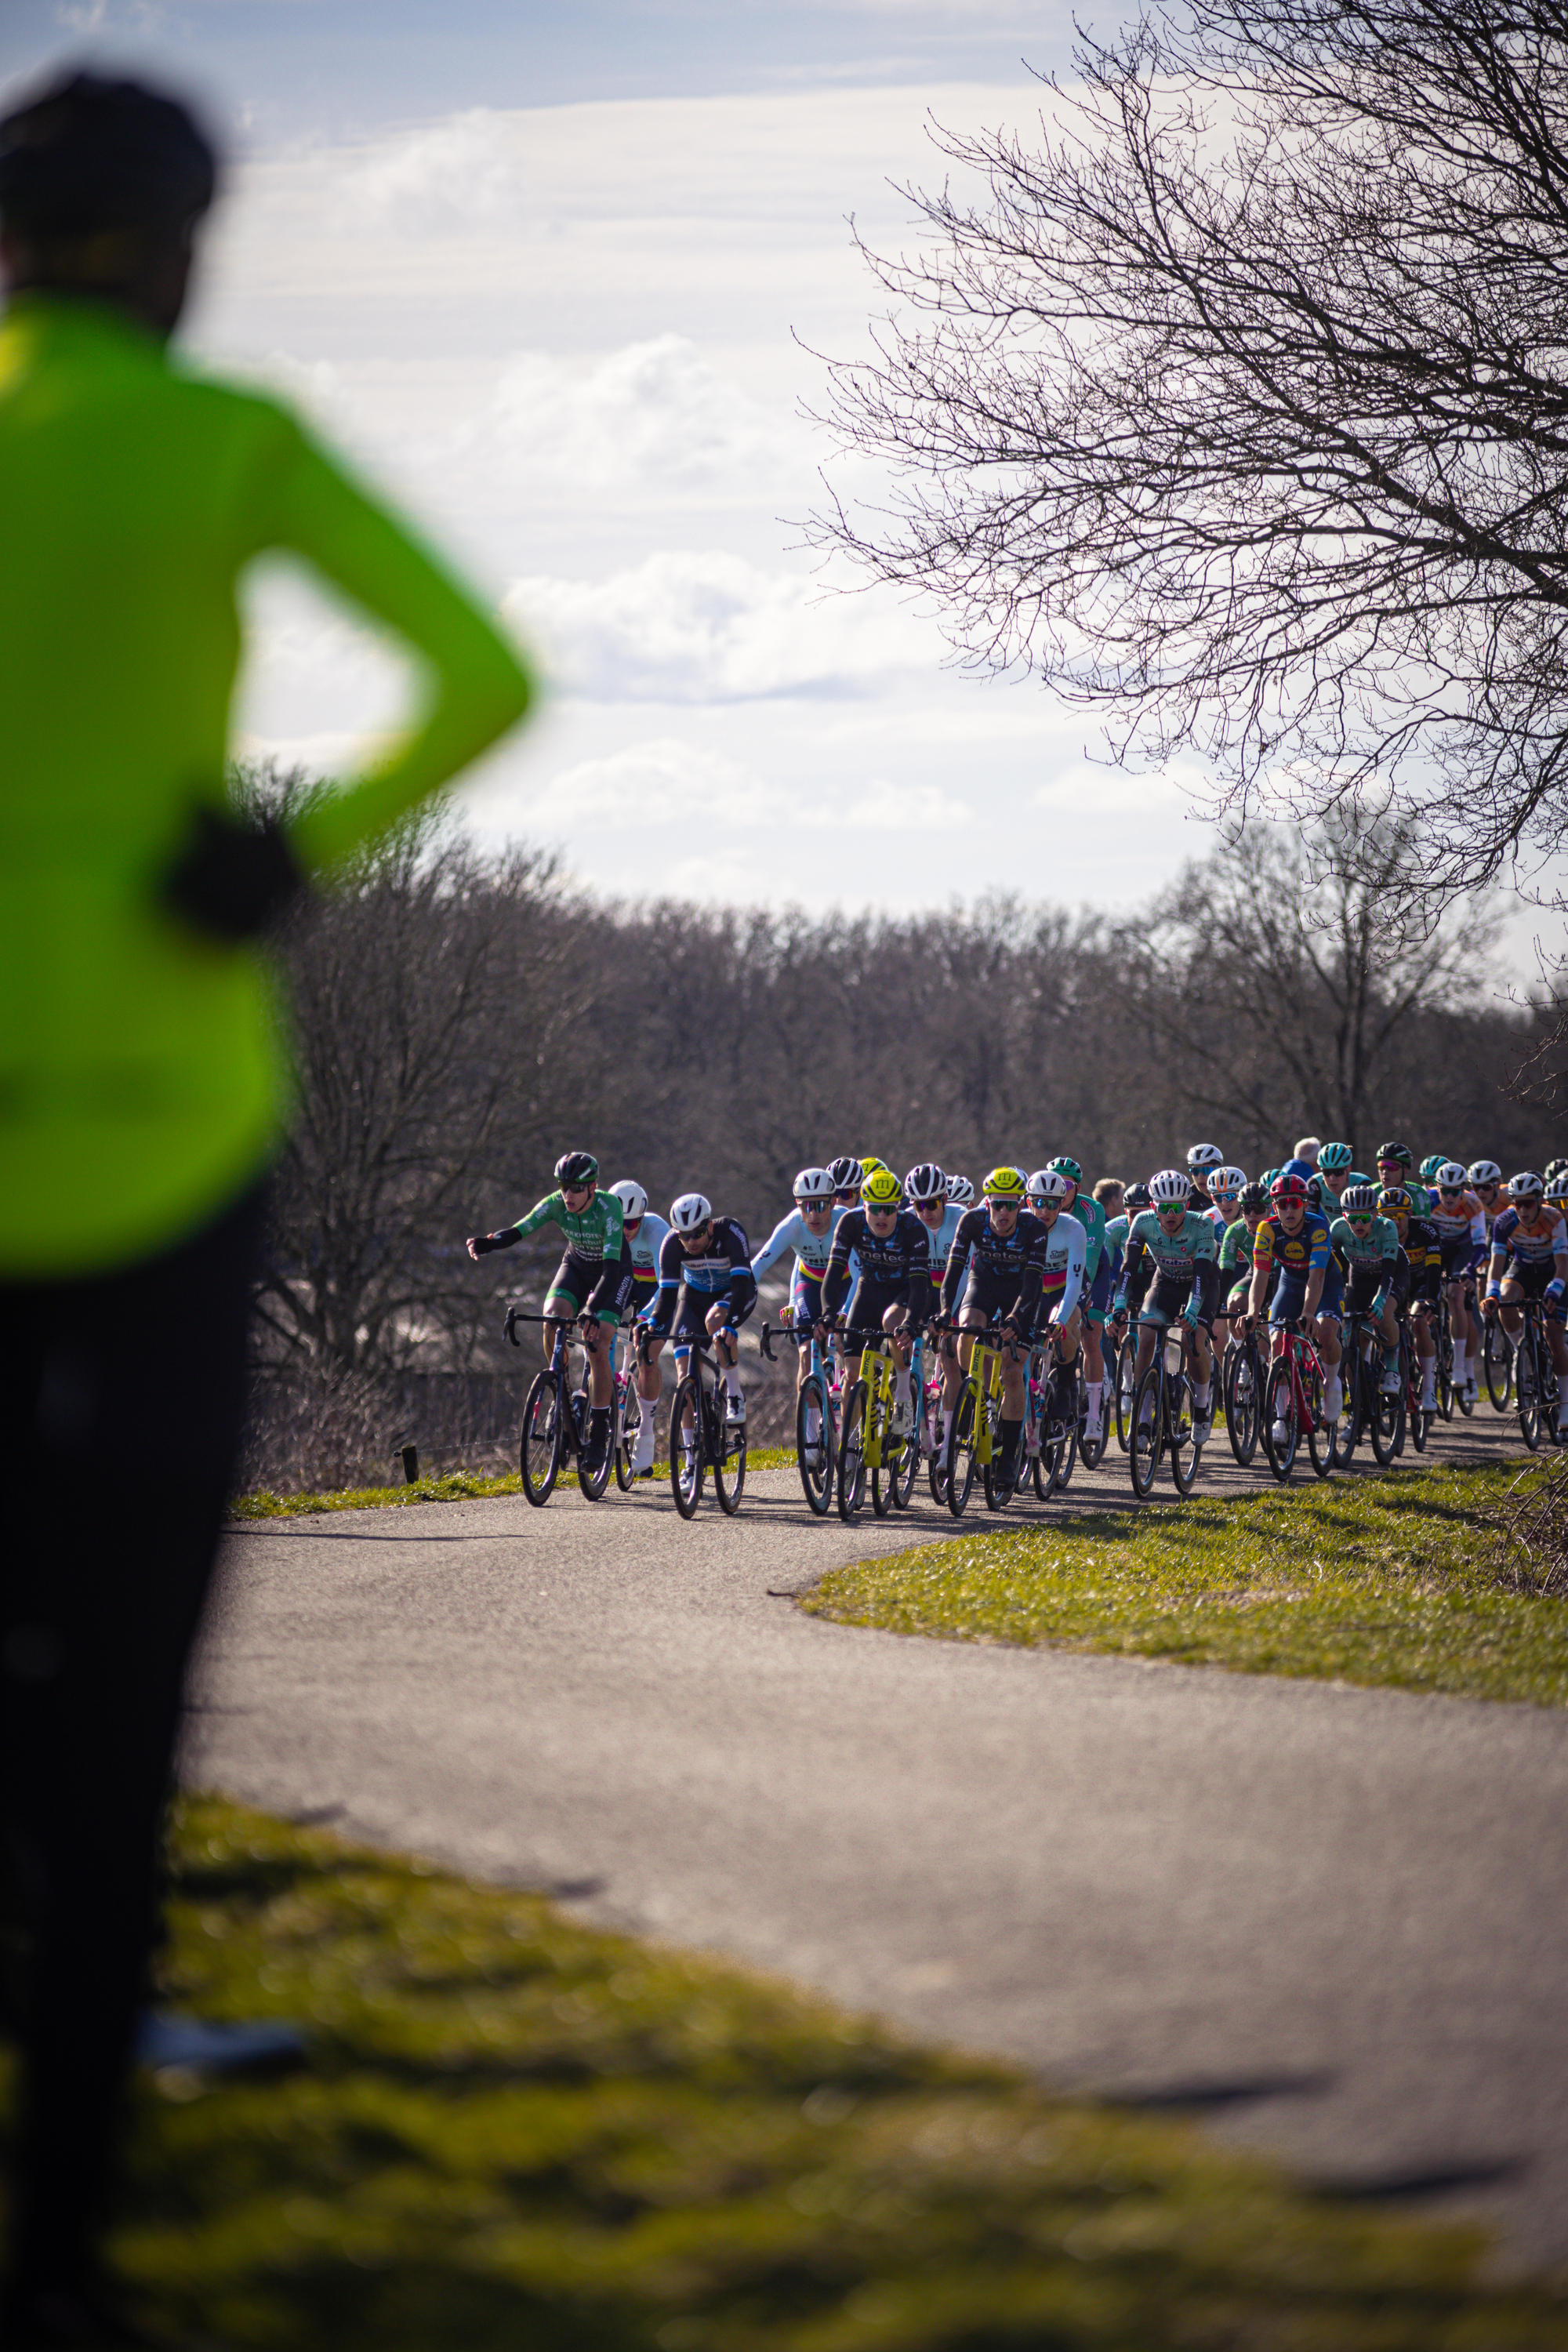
pixel 668 781
pixel 689 627
pixel 445 178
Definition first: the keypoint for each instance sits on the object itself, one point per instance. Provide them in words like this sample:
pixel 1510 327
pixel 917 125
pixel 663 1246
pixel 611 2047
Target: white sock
pixel 901 1388
pixel 643 1452
pixel 813 1425
pixel 732 1379
pixel 1334 1397
pixel 1429 1383
pixel 1461 1366
pixel 1201 1396
pixel 1095 1392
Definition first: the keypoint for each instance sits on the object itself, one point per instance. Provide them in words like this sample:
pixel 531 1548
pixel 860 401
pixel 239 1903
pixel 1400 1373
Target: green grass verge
pixel 458 1487
pixel 1369 1579
pixel 513 2130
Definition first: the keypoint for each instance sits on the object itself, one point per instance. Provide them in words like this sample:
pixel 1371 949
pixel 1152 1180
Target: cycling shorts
pixel 1457 1255
pixel 1167 1302
pixel 1235 1303
pixel 994 1295
pixel 1531 1281
pixel 1333 1300
pixel 1288 1303
pixel 1100 1290
pixel 692 1308
pixel 1362 1288
pixel 869 1301
pixel 806 1297
pixel 609 1287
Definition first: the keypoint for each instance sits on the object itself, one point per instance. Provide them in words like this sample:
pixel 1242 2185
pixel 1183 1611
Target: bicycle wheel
pixel 1280 1407
pixel 1445 1364
pixel 627 1426
pixel 1354 1376
pixel 1144 1460
pixel 1241 1390
pixel 1121 1381
pixel 685 1445
pixel 1527 1388
pixel 1091 1450
pixel 1184 1455
pixel 543 1438
pixel 816 1460
pixel 906 1464
pixel 1067 1447
pixel 958 1469
pixel 729 1448
pixel 1320 1436
pixel 852 1453
pixel 1497 1362
pixel 591 1485
pixel 1384 1409
pixel 1417 1416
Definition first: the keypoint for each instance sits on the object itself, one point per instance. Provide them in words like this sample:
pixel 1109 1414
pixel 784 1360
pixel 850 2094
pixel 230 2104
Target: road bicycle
pixel 1497 1362
pixel 556 1415
pixel 1535 1378
pixel 869 1443
pixel 1368 1406
pixel 1293 1400
pixel 816 1411
pixel 1052 1441
pixel 1122 1358
pixel 974 1427
pixel 1241 1390
pixel 1415 1418
pixel 701 1437
pixel 1162 1406
pixel 626 1421
pixel 1443 1333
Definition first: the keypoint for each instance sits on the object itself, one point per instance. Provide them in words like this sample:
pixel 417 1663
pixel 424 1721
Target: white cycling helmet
pixel 1204 1156
pixel 1526 1186
pixel 1171 1189
pixel 1484 1171
pixel 691 1212
pixel 1450 1177
pixel 1228 1183
pixel 633 1200
pixel 1047 1184
pixel 813 1184
pixel 960 1191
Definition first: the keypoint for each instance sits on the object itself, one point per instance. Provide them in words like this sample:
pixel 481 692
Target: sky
pixel 558 280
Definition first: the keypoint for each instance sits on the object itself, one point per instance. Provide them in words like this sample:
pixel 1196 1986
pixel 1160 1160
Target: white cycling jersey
pixel 1066 1256
pixel 812 1251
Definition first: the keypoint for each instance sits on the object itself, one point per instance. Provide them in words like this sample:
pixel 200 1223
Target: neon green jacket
pixel 143 1073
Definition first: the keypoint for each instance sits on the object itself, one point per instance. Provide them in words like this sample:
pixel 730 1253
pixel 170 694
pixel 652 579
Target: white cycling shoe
pixel 734 1410
pixel 1280 1433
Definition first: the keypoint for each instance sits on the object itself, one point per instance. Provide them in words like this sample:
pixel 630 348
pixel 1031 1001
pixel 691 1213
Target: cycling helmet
pixel 959 1191
pixel 1134 1198
pixel 1428 1171
pixel 575 1168
pixel 925 1181
pixel 1047 1184
pixel 1288 1186
pixel 1484 1171
pixel 882 1189
pixel 1448 1176
pixel 1525 1186
pixel 1171 1189
pixel 1556 1167
pixel 1359 1200
pixel 1005 1184
pixel 1397 1152
pixel 633 1201
pixel 691 1212
pixel 1068 1167
pixel 1253 1195
pixel 1334 1156
pixel 846 1174
pixel 815 1184
pixel 1228 1183
pixel 1268 1177
pixel 871 1166
pixel 1394 1201
pixel 1204 1156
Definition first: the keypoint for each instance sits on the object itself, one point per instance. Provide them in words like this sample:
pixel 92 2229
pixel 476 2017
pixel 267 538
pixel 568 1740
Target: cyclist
pixel 705 1283
pixel 1485 1180
pixel 1236 1248
pixel 1086 1318
pixel 998 1255
pixel 1110 1192
pixel 1171 1263
pixel 1530 1260
pixel 847 1181
pixel 593 1283
pixel 1064 1281
pixel 1294 1237
pixel 808 1231
pixel 1462 1237
pixel 930 1194
pixel 645 1235
pixel 1423 1254
pixel 1335 1172
pixel 1225 1187
pixel 1134 1200
pixel 1376 1272
pixel 1201 1160
pixel 1393 1168
pixel 892 1286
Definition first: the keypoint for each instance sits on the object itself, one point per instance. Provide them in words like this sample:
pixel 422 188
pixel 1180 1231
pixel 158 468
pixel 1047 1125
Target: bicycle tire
pixel 591 1485
pixel 628 1428
pixel 958 1470
pixel 1067 1446
pixel 1123 1396
pixel 1185 1457
pixel 1241 1407
pixel 1527 1388
pixel 906 1468
pixel 1143 1466
pixel 543 1436
pixel 1497 1362
pixel 1279 1404
pixel 1354 1377
pixel 729 1464
pixel 852 1453
pixel 1319 1436
pixel 686 1447
pixel 817 1478
pixel 1446 1362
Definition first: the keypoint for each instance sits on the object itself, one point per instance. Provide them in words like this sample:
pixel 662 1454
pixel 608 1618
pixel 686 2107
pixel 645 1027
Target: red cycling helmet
pixel 1288 1188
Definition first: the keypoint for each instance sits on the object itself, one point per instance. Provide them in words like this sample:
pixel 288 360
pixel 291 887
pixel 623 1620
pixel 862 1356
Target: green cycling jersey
pixel 592 1234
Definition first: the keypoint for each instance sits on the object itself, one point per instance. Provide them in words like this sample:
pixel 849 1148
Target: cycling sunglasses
pixel 1450 1192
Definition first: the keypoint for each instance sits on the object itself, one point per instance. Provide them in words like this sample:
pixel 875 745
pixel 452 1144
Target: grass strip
pixel 457 1486
pixel 1386 1580
pixel 516 2130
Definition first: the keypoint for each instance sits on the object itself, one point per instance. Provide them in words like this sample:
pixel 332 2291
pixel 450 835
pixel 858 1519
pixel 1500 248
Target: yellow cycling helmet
pixel 1005 1185
pixel 872 1166
pixel 882 1189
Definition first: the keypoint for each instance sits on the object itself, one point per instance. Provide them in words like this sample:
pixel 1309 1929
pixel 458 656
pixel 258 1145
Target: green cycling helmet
pixel 1428 1171
pixel 1068 1167
pixel 1333 1156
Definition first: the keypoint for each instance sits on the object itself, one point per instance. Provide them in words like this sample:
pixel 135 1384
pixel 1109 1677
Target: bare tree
pixel 1234 406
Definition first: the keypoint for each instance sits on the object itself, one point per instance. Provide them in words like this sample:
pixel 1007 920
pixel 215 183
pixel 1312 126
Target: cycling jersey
pixel 899 1260
pixel 1006 1266
pixel 1177 1256
pixel 1462 1231
pixel 723 1264
pixel 645 1245
pixel 1364 1257
pixel 1423 1254
pixel 1518 1248
pixel 1090 1214
pixel 1300 1253
pixel 1235 1250
pixel 143 1078
pixel 1063 1267
pixel 592 1234
pixel 812 1251
pixel 1116 1241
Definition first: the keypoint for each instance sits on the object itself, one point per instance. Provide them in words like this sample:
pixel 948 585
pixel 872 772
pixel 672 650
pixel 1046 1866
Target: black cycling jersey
pixel 900 1257
pixel 994 1258
pixel 723 1265
pixel 1422 1252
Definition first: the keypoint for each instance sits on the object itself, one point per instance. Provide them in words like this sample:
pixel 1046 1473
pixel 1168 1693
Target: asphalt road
pixel 1332 1922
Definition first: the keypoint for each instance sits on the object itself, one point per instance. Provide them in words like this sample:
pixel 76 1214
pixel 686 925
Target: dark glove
pixel 482 1244
pixel 233 879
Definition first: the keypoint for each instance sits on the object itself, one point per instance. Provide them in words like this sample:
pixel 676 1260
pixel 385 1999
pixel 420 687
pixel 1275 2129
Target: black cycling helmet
pixel 1136 1197
pixel 1255 1195
pixel 925 1181
pixel 1399 1152
pixel 575 1168
pixel 847 1174
pixel 87 157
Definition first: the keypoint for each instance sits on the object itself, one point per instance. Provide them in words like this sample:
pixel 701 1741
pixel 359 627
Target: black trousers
pixel 122 1398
